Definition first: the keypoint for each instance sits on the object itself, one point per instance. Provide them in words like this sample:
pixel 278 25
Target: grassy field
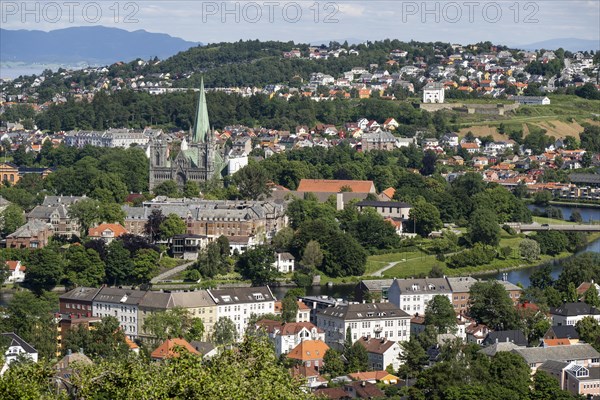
pixel 544 220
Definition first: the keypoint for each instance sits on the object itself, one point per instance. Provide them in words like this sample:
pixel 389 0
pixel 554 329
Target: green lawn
pixel 544 220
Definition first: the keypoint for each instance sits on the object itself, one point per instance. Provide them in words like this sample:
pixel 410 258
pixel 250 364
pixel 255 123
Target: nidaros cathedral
pixel 199 161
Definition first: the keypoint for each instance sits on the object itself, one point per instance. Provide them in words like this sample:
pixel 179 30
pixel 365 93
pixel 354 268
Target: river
pixel 587 213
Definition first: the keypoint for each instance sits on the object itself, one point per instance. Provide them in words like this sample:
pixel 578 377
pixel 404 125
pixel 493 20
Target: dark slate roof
pixel 585 178
pixel 564 332
pixel 370 203
pixel 81 293
pixel 17 341
pixel 557 353
pixel 120 296
pixel 553 366
pixel 364 311
pixel 202 347
pixel 574 309
pixel 514 336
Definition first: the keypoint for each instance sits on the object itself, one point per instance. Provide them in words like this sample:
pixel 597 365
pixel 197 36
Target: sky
pixel 464 21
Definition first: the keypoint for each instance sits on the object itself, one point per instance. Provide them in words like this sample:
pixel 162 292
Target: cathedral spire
pixel 201 125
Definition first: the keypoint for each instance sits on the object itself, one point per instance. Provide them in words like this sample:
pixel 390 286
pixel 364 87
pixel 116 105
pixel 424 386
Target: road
pixel 382 270
pixel 171 272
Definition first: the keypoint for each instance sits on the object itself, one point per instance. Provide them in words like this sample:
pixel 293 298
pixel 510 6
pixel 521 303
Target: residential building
pixel 511 336
pixel 106 232
pixel 382 353
pixel 123 138
pixel 287 336
pixel 187 246
pixel 412 295
pixel 531 100
pixel 78 301
pixel 310 375
pixel 581 354
pixel 310 353
pixel 238 304
pixel 433 93
pixel 335 186
pixel 16 272
pixel 381 140
pixel 567 332
pixel 284 262
pixel 387 209
pixel 123 304
pixel 317 304
pixel 55 211
pixel 373 377
pixel 571 313
pixel 460 287
pixel 582 381
pixel 170 349
pixel 377 320
pixel 369 289
pixel 67 366
pixel 206 349
pixel 200 304
pixel 17 347
pixel 32 235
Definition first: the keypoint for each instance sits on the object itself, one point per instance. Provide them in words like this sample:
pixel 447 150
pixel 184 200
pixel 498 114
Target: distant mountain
pixel 90 44
pixel 570 44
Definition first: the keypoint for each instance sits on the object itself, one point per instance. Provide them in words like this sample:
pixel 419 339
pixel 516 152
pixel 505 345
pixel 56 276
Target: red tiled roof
pixel 12 265
pixel 309 350
pixel 334 186
pixel 117 229
pixel 165 350
pixel 557 342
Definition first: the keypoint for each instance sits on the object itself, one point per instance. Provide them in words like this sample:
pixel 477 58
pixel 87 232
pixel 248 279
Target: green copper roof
pixel 201 125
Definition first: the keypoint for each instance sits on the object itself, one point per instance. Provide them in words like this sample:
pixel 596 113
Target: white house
pixel 412 295
pixel 238 304
pixel 287 336
pixel 17 347
pixel 123 304
pixel 284 262
pixel 382 353
pixel 571 313
pixel 377 320
pixel 433 93
pixel 16 272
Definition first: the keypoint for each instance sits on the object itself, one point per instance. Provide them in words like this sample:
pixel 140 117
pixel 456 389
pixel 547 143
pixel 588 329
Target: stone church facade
pixel 198 162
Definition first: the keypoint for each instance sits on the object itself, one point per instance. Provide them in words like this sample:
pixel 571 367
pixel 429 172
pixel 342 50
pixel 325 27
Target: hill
pixel 95 45
pixel 570 44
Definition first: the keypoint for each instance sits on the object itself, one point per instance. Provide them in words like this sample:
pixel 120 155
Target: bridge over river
pixel 535 227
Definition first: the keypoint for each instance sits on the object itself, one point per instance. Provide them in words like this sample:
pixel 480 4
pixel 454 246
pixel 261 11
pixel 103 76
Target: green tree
pixel 252 181
pixel 373 232
pixel 145 266
pixel 591 296
pixel 152 227
pixel 358 358
pixel 589 331
pixel 176 322
pixel 283 239
pixel 105 341
pixel 529 250
pixel 44 270
pixel 512 372
pixel 484 228
pixel 171 226
pixel 413 356
pixel 256 264
pixel 425 218
pixel 440 314
pixel 119 264
pixel 289 307
pixel 551 242
pixel 312 256
pixel 167 188
pixel 191 190
pixel 224 332
pixel 333 363
pixel 546 387
pixel 83 267
pixel 12 218
pixel 490 304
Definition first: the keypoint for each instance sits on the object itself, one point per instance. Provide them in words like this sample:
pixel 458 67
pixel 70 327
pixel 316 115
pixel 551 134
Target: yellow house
pixel 9 172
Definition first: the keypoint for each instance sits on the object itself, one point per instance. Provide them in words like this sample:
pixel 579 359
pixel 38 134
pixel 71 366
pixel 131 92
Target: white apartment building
pixel 238 304
pixel 284 262
pixel 412 295
pixel 382 353
pixel 123 304
pixel 287 336
pixel 370 320
pixel 109 138
pixel 571 313
pixel 433 93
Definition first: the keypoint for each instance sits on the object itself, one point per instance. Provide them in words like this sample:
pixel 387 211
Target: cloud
pixel 352 10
